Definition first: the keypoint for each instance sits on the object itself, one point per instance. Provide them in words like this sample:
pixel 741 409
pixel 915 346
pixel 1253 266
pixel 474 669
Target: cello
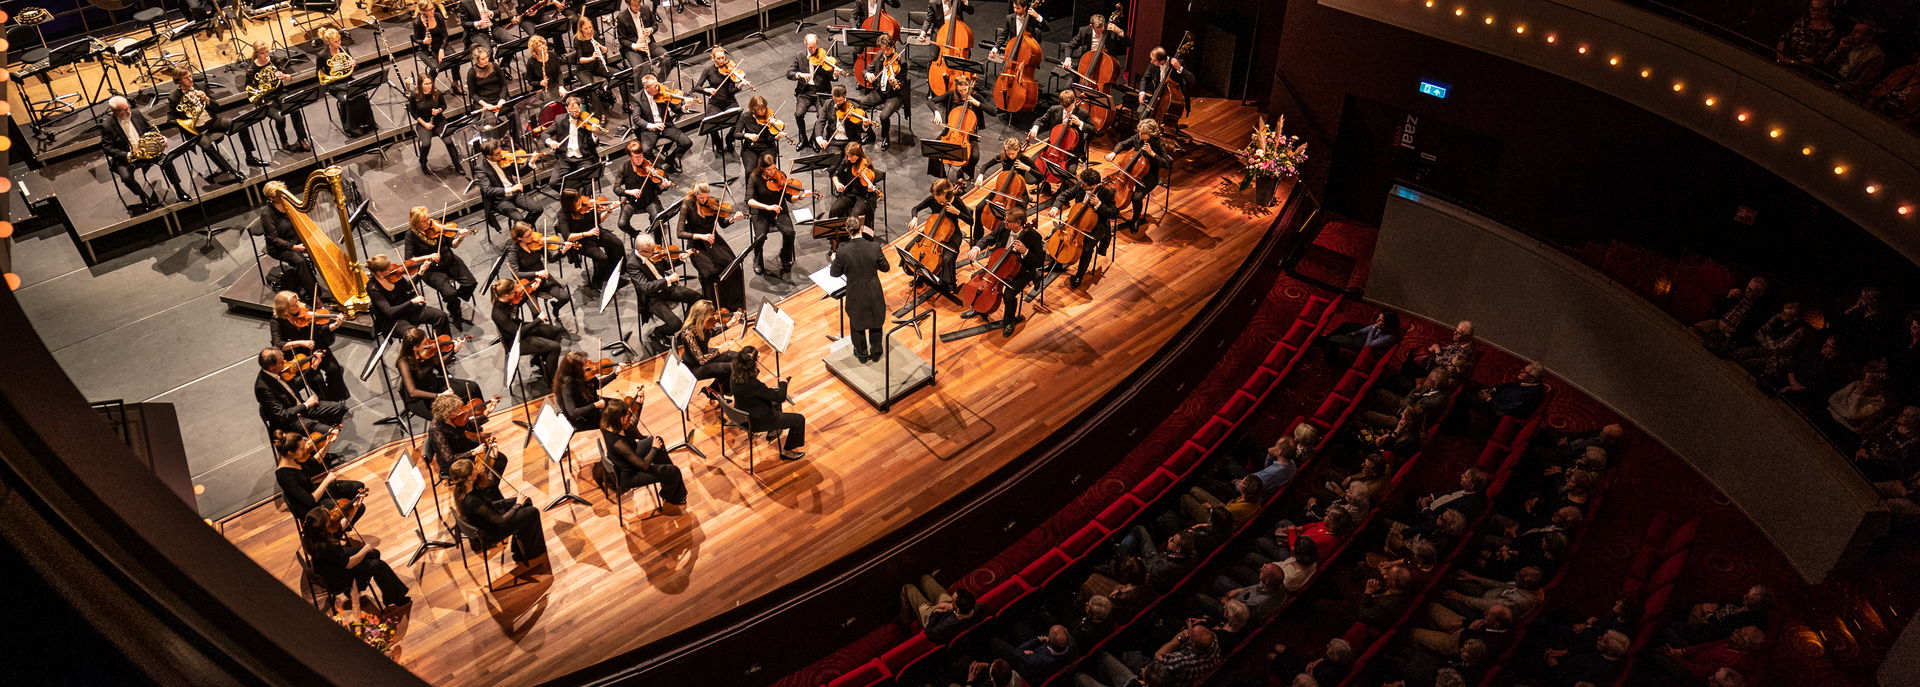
pixel 982 293
pixel 1097 69
pixel 935 236
pixel 1131 169
pixel 962 121
pixel 1006 185
pixel 1061 141
pixel 1014 90
pixel 1069 235
pixel 954 38
pixel 884 23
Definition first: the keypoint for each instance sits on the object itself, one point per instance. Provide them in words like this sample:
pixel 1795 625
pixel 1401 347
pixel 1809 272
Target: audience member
pixel 1469 499
pixel 1859 405
pixel 1812 375
pixel 1039 656
pixel 1898 95
pixel 1857 62
pixel 1263 598
pixel 1810 38
pixel 1471 593
pixel 1734 311
pixel 1456 355
pixel 1330 669
pixel 1189 656
pixel 1165 564
pixel 1891 451
pixel 1348 338
pixel 1116 673
pixel 1596 664
pixel 1450 629
pixel 1246 500
pixel 1776 339
pixel 1739 652
pixel 1517 398
pixel 1384 597
pixel 1866 328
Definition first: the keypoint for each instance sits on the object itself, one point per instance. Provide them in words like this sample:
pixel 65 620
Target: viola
pixel 521 289
pixel 299 364
pixel 820 59
pixel 605 367
pixel 305 317
pixel 647 171
pixel 1015 89
pixel 863 171
pixel 712 207
pixel 537 241
pixel 953 38
pixel 585 205
pixel 777 180
pixel 732 71
pixel 447 344
pixel 884 23
pixel 436 230
pixel 772 124
pixel 510 158
pixel 851 114
pixel 669 96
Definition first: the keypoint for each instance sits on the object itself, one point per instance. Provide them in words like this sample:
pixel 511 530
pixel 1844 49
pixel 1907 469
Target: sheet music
pixel 552 430
pixel 775 326
pixel 513 362
pixel 613 285
pixel 405 483
pixel 676 381
pixel 801 215
pixel 827 282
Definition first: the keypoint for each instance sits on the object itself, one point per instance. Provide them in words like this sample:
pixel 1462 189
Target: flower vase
pixel 1264 190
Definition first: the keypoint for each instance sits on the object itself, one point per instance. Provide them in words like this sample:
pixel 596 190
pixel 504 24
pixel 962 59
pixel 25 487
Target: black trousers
pixel 356 115
pixel 852 205
pixel 720 370
pixel 322 417
pixel 282 118
pixel 421 316
pixel 610 247
pixel 648 203
pixel 552 290
pixel 803 105
pixel 1102 238
pixel 673 486
pixel 520 207
pixel 466 389
pixel 522 524
pixel 882 108
pixel 541 341
pixel 375 572
pixel 335 386
pixel 423 140
pixel 563 165
pixel 669 153
pixel 764 222
pixel 453 280
pixel 1010 299
pixel 794 423
pixel 867 341
pixel 125 171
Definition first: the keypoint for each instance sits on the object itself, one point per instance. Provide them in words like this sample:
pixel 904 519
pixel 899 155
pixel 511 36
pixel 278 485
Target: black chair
pixel 609 480
pixel 319 591
pixel 473 541
pixel 735 417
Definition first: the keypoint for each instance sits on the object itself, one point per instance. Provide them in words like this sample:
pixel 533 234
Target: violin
pixel 822 60
pixel 594 204
pixel 649 172
pixel 537 241
pixel 305 317
pixel 712 206
pixel 466 415
pixel 605 367
pixel 587 121
pixel 851 114
pixel 407 268
pixel 777 180
pixel 661 253
pixel 772 124
pixel 509 158
pixel 863 170
pixel 447 344
pixel 299 364
pixel 521 289
pixel 677 98
pixel 436 230
pixel 732 71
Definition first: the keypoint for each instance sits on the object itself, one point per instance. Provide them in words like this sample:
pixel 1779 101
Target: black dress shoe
pixel 759 268
pixel 304 146
pixel 1007 332
pixel 968 315
pixel 1074 281
pixel 257 162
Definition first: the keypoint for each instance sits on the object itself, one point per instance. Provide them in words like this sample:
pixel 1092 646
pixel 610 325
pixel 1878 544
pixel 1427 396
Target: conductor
pixel 861 261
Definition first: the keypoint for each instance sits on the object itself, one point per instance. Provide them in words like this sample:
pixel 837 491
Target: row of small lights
pixel 1741 116
pixel 6 143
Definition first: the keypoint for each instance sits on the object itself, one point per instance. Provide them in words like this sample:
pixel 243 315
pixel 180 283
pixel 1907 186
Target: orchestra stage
pixel 616 584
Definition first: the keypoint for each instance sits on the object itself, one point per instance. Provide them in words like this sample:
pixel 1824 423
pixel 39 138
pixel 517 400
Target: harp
pixel 339 264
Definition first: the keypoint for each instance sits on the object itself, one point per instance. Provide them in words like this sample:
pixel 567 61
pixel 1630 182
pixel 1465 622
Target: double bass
pixel 954 38
pixel 1014 90
pixel 1097 69
pixel 1169 93
pixel 884 23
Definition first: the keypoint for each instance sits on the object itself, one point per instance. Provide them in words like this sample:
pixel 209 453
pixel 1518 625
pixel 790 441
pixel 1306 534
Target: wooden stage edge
pixel 617 585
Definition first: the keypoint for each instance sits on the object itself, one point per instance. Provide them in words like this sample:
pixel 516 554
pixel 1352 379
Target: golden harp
pixel 339 264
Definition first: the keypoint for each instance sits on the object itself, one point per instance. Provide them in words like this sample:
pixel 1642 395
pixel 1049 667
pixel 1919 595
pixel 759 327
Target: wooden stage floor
pixel 615 585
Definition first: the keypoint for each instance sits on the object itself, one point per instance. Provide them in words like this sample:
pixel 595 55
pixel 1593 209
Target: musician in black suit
pixel 292 405
pixel 1024 17
pixel 1153 146
pixel 1108 38
pixel 888 74
pixel 1164 68
pixel 574 145
pixel 867 8
pixel 502 189
pixel 659 288
pixel 812 86
pixel 262 61
pixel 762 404
pixel 488 22
pixel 637 26
pixel 119 131
pixel 939 10
pixel 1018 235
pixel 837 128
pixel 1103 207
pixel 284 243
pixel 861 260
pixel 654 120
pixel 192 112
pixel 639 190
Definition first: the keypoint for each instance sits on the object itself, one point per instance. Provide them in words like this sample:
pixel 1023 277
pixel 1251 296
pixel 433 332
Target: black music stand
pixel 247 120
pixel 292 103
pixel 956 63
pixel 589 173
pixel 504 52
pixel 927 285
pixel 553 28
pixel 77 50
pixel 363 88
pixel 451 63
pixel 830 228
pixel 812 164
pixel 943 151
pixel 714 123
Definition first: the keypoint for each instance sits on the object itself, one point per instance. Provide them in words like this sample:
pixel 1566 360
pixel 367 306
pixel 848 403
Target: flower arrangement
pixel 1271 154
pixel 377 631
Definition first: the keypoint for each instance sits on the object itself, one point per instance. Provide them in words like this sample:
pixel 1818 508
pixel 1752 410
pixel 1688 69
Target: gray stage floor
pixel 148 325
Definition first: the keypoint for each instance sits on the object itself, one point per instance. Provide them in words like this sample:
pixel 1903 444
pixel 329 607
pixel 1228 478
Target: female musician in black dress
pixel 445 271
pixel 314 338
pixel 539 337
pixel 700 216
pixel 639 460
pixel 528 260
pixel 590 60
pixel 855 186
pixel 430 35
pixel 579 395
pixel 423 374
pixel 341 559
pixel 943 199
pixel 961 94
pixel 395 298
pixel 456 436
pixel 428 109
pixel 543 71
pixel 476 495
pixel 754 130
pixel 580 218
pixel 767 205
pixel 298 463
pixel 762 405
pixel 1147 140
pixel 694 344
